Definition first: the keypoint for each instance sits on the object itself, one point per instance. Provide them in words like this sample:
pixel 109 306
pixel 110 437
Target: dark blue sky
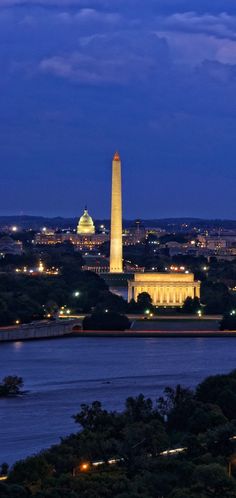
pixel 155 79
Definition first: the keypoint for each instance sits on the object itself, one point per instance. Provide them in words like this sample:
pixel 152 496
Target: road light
pixel 84 467
pixel 76 293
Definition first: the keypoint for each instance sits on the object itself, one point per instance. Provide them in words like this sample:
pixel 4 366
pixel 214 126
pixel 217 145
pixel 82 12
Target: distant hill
pixel 180 224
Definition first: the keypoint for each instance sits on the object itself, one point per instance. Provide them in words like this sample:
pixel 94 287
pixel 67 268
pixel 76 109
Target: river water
pixel 61 374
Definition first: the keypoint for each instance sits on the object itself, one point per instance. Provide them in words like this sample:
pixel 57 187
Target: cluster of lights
pixel 64 311
pixel 40 269
pixel 177 268
pixel 233 312
pixel 148 313
pixel 86 466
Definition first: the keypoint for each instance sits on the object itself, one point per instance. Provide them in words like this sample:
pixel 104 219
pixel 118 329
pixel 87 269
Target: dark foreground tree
pixel 191 306
pixel 144 302
pixel 106 321
pixel 11 385
pixel 228 322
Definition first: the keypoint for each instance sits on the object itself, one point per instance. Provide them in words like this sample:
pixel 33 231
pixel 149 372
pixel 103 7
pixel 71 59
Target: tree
pixel 216 297
pixel 228 322
pixel 11 385
pixel 106 321
pixel 191 306
pixel 144 302
pixel 4 469
pixel 213 480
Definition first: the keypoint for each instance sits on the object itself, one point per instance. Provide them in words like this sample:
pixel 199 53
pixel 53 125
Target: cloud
pixel 118 59
pixel 194 38
pixel 222 25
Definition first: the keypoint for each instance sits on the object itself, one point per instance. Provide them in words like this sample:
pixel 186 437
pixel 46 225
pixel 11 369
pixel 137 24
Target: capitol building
pixel 84 238
pixel 86 225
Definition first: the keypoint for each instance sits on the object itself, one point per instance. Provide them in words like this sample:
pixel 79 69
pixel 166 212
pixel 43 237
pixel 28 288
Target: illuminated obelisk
pixel 116 263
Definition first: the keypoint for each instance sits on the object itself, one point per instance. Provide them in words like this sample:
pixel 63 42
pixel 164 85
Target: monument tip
pixel 116 156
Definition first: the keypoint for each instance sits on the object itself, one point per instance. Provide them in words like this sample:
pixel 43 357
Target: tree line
pixel 130 449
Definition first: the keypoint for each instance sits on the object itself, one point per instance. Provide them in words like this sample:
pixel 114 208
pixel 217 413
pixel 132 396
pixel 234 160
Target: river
pixel 61 374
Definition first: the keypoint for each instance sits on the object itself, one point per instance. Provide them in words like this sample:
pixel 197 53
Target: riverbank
pixel 37 330
pixel 156 333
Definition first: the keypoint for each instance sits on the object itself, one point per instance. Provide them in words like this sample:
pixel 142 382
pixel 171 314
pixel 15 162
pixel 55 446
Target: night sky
pixel 155 79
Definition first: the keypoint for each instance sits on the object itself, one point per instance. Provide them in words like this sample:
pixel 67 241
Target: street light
pixel 77 294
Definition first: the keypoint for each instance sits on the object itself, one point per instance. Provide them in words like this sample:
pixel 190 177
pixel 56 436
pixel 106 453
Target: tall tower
pixel 116 264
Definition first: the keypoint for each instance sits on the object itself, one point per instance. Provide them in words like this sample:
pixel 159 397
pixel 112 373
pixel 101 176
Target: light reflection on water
pixel 61 374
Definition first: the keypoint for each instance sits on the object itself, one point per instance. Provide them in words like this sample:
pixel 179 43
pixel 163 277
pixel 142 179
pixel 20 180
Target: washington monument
pixel 116 263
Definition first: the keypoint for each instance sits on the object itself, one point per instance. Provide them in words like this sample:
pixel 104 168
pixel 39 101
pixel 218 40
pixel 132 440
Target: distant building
pixel 84 239
pixel 10 246
pixel 165 289
pixel 135 234
pixel 85 225
pixel 96 263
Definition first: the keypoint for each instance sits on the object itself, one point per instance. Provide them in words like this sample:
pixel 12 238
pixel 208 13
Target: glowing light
pixel 77 294
pixel 41 267
pixel 17 322
pixel 84 467
pixel 147 312
pixel 173 452
pixel 68 312
pixel 14 229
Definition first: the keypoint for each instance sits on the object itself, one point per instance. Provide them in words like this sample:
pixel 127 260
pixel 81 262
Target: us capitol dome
pixel 86 224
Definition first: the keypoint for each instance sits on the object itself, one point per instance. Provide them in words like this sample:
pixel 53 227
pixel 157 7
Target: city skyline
pixel 156 84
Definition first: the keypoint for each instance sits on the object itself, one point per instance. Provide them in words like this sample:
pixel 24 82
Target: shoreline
pixel 155 333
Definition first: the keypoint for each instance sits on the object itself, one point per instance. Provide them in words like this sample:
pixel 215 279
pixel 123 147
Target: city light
pixel 41 267
pixel 84 467
pixel 14 229
pixel 77 294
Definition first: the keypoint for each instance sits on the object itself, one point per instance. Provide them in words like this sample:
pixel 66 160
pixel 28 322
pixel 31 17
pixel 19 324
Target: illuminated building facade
pixel 80 241
pixel 116 260
pixel 85 225
pixel 165 289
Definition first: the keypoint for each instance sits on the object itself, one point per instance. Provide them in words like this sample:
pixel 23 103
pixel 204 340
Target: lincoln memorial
pixel 165 289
